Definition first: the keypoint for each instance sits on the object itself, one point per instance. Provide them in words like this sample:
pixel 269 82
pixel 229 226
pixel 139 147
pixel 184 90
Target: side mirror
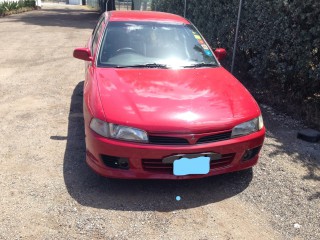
pixel 220 53
pixel 83 54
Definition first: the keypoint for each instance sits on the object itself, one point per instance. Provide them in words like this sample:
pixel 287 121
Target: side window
pixel 96 34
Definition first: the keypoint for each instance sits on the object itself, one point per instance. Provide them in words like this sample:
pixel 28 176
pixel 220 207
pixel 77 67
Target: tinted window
pixel 137 43
pixel 96 33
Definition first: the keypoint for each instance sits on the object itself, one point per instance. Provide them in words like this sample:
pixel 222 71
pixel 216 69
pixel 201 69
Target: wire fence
pixel 123 5
pixel 142 5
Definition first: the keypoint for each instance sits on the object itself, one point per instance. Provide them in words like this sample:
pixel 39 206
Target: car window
pixel 96 33
pixel 138 43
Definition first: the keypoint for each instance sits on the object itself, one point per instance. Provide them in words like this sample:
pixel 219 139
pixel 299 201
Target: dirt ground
pixel 48 192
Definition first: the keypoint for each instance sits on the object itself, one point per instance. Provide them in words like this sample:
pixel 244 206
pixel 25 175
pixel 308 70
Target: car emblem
pixel 192 139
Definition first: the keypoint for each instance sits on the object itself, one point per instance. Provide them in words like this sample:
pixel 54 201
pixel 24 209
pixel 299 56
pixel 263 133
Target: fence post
pixel 236 36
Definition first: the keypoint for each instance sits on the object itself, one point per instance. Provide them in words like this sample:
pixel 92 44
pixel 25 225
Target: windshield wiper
pixel 147 65
pixel 202 64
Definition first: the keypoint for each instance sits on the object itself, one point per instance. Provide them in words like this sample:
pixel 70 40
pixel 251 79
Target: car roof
pixel 149 16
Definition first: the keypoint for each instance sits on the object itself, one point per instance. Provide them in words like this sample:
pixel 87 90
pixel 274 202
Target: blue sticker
pixel 208 52
pixel 186 166
pixel 178 198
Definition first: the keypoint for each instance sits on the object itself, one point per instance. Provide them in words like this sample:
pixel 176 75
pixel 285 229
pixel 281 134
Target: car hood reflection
pixel 180 100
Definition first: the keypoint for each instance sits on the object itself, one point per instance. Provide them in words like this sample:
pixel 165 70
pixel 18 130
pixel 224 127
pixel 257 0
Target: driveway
pixel 48 192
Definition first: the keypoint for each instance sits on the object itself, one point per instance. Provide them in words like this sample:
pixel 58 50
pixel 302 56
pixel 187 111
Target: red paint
pixel 146 16
pixel 220 53
pixel 83 54
pixel 183 100
pixel 187 103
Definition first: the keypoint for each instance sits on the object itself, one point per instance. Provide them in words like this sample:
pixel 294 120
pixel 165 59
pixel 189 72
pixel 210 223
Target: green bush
pixel 11 6
pixel 29 3
pixel 278 47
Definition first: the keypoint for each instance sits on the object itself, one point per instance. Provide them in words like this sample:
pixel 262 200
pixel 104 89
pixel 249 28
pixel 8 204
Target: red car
pixel 158 104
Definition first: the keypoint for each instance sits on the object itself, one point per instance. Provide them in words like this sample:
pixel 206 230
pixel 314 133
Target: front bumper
pixel 145 160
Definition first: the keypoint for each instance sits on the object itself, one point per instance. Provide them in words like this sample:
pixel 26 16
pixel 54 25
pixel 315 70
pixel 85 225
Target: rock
pixel 297 225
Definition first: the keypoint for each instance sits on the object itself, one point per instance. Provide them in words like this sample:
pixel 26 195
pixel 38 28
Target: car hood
pixel 169 100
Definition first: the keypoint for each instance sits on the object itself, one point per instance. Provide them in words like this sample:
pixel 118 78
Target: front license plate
pixel 186 166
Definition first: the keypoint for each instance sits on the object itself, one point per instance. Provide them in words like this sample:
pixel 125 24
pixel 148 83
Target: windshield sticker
pixel 202 44
pixel 208 52
pixel 204 47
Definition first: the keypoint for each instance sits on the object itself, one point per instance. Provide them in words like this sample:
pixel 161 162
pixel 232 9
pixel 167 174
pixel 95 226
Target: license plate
pixel 187 166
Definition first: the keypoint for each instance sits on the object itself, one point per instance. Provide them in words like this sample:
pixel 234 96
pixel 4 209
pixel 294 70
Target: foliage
pixel 15 5
pixel 278 45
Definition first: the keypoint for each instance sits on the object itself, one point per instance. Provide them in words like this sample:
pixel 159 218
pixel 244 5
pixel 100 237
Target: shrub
pixel 15 5
pixel 278 47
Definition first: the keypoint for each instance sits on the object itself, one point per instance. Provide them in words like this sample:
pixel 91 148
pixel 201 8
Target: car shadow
pixel 89 189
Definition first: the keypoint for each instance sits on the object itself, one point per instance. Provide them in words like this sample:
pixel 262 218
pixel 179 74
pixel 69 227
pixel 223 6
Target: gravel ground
pixel 48 192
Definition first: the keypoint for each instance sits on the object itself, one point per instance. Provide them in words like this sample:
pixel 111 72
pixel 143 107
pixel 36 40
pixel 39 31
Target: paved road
pixel 48 192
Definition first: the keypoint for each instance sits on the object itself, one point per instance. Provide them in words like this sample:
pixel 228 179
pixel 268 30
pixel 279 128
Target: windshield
pixel 153 45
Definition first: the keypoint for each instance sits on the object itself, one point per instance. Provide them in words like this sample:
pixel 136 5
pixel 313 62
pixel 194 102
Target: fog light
pixel 115 162
pixel 123 163
pixel 251 153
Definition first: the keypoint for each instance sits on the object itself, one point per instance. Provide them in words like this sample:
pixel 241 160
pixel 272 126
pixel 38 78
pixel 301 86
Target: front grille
pixel 168 140
pixel 156 165
pixel 215 137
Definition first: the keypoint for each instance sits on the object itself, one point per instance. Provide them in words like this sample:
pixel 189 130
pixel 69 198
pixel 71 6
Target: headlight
pixel 115 131
pixel 248 127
